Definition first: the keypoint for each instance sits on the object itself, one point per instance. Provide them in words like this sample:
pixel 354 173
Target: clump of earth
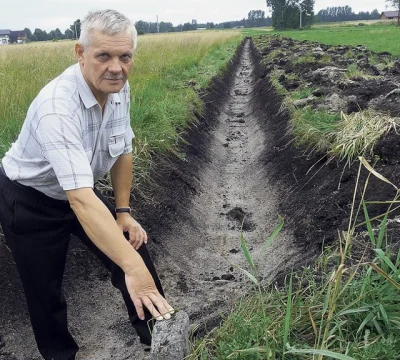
pixel 340 78
pixel 319 190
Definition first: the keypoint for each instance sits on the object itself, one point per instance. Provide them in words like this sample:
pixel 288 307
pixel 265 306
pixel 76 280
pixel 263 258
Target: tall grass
pixel 352 312
pixel 169 70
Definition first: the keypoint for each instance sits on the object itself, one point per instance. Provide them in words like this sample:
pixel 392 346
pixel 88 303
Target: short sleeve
pixel 60 139
pixel 129 136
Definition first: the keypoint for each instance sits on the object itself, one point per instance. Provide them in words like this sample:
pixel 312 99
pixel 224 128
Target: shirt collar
pixel 84 90
pixel 114 98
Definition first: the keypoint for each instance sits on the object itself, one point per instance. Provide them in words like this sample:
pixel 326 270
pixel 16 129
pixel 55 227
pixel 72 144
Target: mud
pixel 239 171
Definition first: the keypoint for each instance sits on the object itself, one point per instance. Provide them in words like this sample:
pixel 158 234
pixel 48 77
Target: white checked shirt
pixel 66 142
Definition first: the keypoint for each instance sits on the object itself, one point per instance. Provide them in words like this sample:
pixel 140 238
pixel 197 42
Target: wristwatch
pixel 123 210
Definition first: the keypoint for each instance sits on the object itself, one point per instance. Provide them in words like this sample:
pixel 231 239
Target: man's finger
pixel 131 234
pixel 139 308
pixel 145 236
pixel 150 306
pixel 161 306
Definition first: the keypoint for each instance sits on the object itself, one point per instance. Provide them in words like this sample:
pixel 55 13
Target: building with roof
pixel 390 15
pixel 5 36
pixel 8 36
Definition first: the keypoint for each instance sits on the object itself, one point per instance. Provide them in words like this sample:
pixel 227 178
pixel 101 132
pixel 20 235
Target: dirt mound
pixel 359 77
pixel 318 190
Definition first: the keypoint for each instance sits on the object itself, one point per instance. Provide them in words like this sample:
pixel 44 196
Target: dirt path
pixel 199 274
pixel 197 254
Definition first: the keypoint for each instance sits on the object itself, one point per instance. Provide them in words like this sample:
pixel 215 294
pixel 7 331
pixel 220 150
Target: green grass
pixel 256 31
pixel 378 38
pixel 169 70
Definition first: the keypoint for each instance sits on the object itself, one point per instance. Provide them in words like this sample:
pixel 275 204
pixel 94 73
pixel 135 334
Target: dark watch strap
pixel 123 209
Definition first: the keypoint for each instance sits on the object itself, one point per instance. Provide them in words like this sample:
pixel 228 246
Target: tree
pixel 52 35
pixel 188 26
pixel 28 33
pixel 58 34
pixel 166 27
pixel 256 18
pixel 375 14
pixel 345 13
pixel 76 27
pixel 286 13
pixel 40 35
pixel 396 4
pixel 141 27
pixel 68 34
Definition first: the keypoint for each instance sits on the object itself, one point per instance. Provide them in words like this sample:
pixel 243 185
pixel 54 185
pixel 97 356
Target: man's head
pixel 105 51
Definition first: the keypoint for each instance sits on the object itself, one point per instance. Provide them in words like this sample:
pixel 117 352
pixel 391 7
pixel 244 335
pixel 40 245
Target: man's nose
pixel 115 66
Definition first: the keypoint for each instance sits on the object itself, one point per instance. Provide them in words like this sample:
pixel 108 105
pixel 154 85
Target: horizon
pixel 176 12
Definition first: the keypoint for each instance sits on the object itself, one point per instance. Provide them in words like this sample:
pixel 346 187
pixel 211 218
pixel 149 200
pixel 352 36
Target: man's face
pixel 106 63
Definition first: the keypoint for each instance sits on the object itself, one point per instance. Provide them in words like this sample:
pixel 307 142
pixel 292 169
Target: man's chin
pixel 114 88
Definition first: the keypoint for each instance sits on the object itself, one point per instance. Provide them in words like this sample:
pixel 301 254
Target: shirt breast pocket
pixel 116 144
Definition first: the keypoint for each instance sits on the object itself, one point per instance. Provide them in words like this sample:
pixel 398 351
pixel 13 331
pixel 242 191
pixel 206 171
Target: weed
pixel 354 73
pixel 352 313
pixel 356 134
pixel 302 93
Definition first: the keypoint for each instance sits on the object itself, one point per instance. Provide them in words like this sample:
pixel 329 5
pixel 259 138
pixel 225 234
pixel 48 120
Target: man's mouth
pixel 114 78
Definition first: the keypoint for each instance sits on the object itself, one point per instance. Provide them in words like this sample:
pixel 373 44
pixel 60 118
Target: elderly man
pixel 76 130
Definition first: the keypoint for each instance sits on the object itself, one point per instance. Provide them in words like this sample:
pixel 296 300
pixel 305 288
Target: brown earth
pixel 240 168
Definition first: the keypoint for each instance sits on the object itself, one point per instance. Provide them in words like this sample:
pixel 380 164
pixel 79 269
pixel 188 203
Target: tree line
pixel 256 18
pixel 72 32
pixel 286 14
pixel 345 13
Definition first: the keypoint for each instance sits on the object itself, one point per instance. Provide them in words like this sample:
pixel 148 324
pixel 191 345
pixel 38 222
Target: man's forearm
pixel 121 179
pixel 100 226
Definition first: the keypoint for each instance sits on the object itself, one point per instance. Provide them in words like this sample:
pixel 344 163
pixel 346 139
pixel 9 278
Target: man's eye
pixel 126 57
pixel 103 56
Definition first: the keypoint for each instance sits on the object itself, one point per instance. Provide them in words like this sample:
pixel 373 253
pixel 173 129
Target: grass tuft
pixel 356 134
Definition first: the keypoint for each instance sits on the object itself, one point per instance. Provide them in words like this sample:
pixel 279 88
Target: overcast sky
pixel 50 14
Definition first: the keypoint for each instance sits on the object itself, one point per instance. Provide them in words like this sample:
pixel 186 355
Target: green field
pixel 377 37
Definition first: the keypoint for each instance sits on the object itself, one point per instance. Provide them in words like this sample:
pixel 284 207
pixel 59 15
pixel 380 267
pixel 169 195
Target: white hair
pixel 109 22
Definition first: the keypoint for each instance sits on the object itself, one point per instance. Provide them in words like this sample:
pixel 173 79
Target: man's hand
pixel 137 236
pixel 144 292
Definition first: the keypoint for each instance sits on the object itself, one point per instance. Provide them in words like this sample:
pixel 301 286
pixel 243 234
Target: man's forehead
pixel 100 40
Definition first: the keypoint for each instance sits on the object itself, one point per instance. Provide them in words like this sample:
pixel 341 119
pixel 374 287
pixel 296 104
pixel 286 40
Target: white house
pixel 5 36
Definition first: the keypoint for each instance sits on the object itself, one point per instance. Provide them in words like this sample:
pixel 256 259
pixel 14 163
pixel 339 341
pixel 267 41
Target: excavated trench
pixel 194 216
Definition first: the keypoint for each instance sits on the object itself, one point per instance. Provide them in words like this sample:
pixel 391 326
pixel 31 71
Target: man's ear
pixel 79 52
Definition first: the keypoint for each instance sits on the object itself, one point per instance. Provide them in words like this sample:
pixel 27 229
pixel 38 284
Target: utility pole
pixel 76 34
pixel 301 12
pixel 158 26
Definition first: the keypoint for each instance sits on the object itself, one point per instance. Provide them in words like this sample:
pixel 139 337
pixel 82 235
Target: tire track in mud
pixel 195 227
pixel 198 267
